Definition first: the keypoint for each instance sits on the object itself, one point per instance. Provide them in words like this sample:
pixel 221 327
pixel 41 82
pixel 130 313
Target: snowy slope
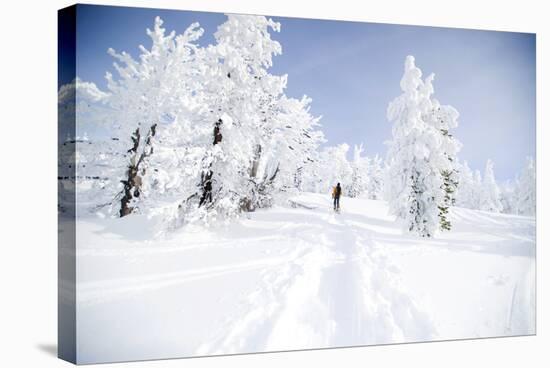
pixel 299 277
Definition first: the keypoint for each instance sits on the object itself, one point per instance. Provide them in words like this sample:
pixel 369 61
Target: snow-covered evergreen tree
pixel 468 190
pixel 443 118
pixel 360 176
pixel 416 156
pixel 375 184
pixel 360 173
pixel 478 188
pixel 490 198
pixel 508 197
pixel 526 189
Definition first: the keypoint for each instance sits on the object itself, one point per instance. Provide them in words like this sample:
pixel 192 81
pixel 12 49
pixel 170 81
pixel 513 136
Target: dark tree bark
pixel 134 174
pixel 298 177
pixel 256 161
pixel 247 203
pixel 206 178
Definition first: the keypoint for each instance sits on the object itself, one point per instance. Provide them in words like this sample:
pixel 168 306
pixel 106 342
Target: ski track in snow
pixel 522 303
pixel 328 295
pixel 310 278
pixel 104 291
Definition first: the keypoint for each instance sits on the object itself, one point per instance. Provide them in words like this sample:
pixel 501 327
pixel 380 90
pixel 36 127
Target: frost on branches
pixel 155 103
pixel 420 178
pixel 201 132
pixel 443 118
pixel 258 138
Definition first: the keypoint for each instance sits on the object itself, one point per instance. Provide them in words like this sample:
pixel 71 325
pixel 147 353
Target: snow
pixel 420 179
pixel 297 277
pixel 224 248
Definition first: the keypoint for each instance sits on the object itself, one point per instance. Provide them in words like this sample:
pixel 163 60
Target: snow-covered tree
pixel 478 187
pixel 294 142
pixel 526 190
pixel 490 198
pixel 508 197
pixel 419 154
pixel 314 176
pixel 238 90
pixel 360 176
pixel 443 118
pixel 264 136
pixel 335 168
pixel 153 98
pixel 286 142
pixel 468 189
pixel 375 184
pixel 253 139
pixel 360 173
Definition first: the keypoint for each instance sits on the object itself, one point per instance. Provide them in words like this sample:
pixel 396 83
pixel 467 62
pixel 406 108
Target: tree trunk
pixel 133 181
pixel 256 161
pixel 206 178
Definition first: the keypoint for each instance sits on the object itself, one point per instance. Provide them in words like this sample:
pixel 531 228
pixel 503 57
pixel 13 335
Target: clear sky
pixel 352 70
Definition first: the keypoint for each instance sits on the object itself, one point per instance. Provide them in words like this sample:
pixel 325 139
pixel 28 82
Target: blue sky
pixel 352 70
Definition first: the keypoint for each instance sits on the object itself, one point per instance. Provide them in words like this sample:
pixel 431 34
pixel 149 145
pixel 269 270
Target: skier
pixel 336 192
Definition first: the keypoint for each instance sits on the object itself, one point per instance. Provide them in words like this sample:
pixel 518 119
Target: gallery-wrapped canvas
pixel 234 184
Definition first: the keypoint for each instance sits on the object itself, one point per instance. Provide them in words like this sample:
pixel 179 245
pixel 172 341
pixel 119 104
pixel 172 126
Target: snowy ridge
pixel 300 277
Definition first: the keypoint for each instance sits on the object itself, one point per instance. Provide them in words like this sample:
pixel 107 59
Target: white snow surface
pixel 298 277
